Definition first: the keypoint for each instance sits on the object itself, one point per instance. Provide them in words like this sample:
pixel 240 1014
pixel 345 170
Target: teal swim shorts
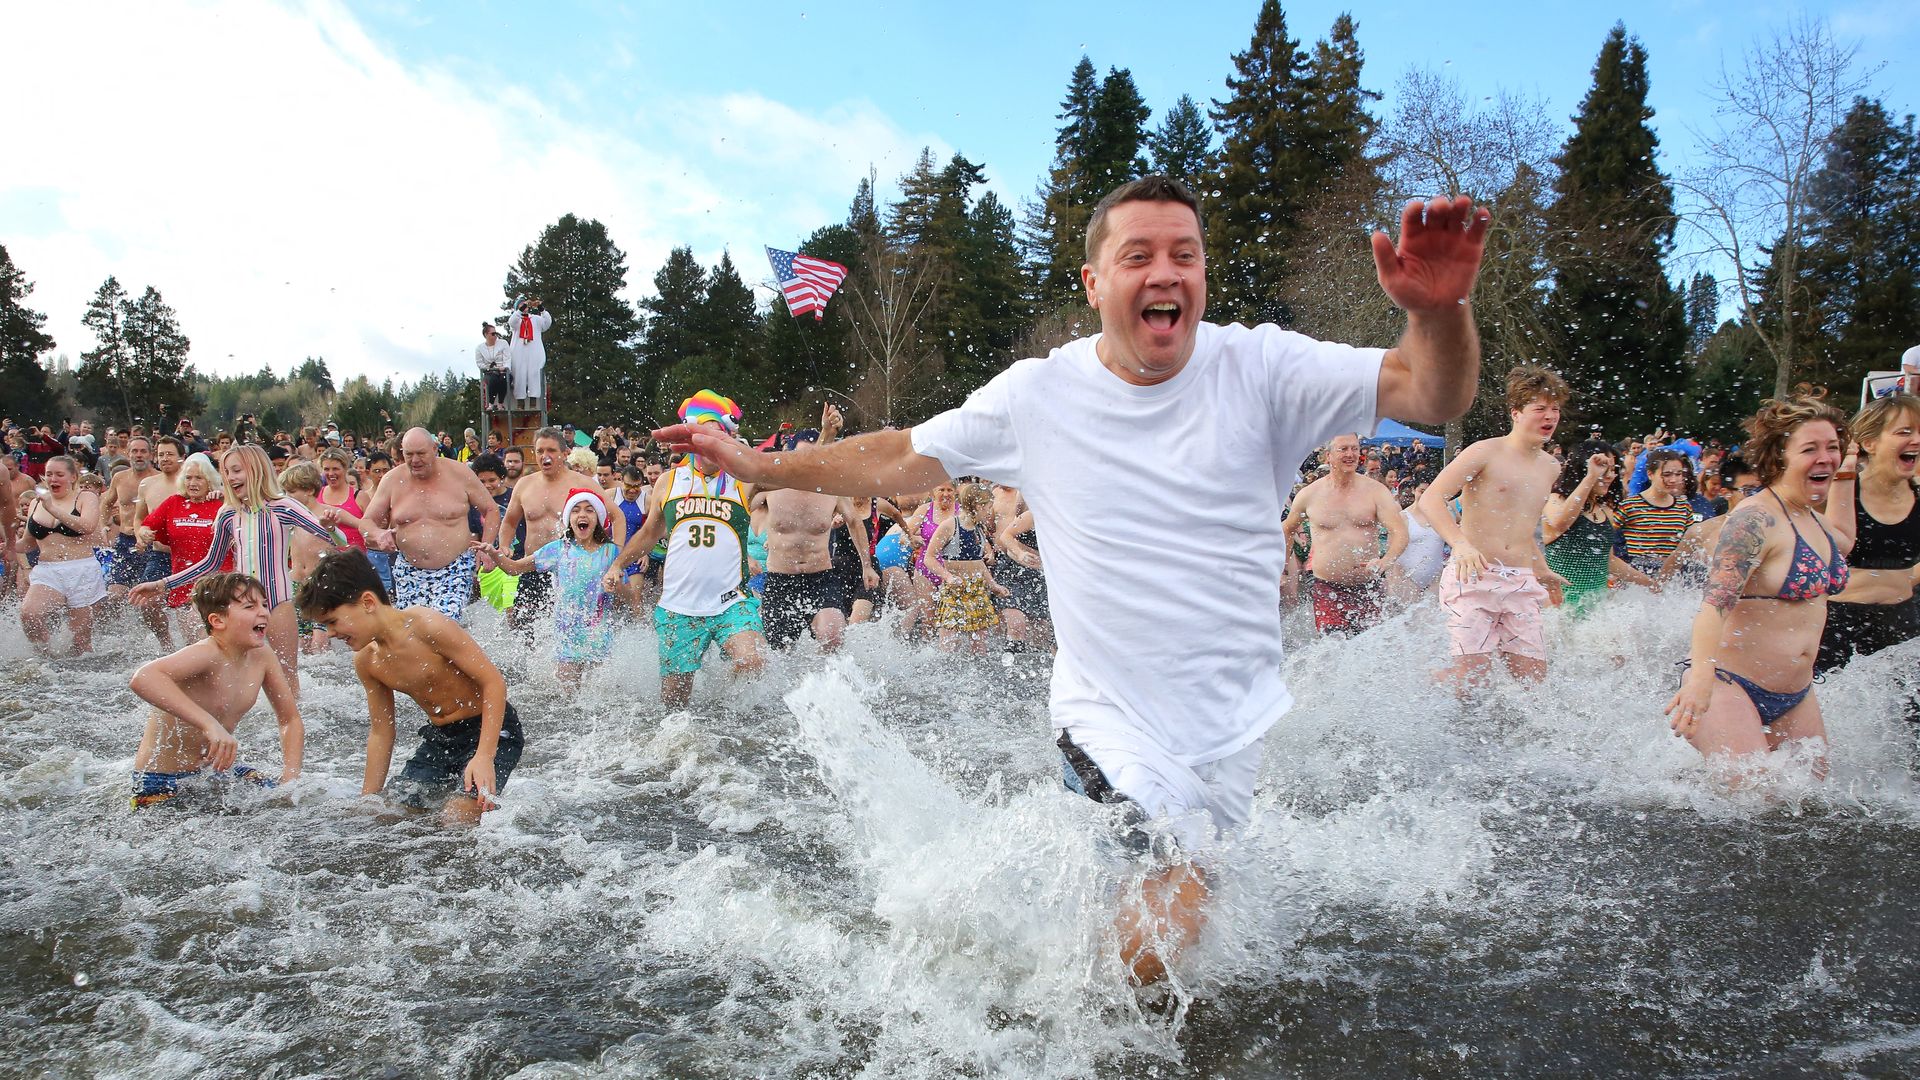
pixel 684 638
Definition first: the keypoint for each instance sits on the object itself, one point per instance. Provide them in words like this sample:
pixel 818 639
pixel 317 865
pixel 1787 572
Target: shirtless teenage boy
pixel 1493 587
pixel 200 693
pixel 426 505
pixel 1344 512
pixel 472 739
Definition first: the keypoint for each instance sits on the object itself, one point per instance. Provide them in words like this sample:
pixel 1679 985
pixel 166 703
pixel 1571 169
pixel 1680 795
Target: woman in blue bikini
pixel 1749 682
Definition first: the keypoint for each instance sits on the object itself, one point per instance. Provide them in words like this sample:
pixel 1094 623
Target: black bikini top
pixel 41 532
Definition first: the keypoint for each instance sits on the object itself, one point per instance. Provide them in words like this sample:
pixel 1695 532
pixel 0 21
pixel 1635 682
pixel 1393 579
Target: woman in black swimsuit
pixel 1878 609
pixel 61 521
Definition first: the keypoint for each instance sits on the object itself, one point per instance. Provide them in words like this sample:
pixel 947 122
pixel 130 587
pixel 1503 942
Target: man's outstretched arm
pixel 877 463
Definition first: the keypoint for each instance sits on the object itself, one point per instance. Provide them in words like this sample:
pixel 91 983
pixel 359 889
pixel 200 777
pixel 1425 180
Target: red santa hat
pixel 577 496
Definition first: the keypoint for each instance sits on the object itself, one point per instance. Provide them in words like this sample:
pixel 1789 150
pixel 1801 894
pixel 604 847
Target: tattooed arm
pixel 1736 555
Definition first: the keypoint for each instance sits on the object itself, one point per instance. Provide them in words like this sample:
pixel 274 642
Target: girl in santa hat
pixel 582 607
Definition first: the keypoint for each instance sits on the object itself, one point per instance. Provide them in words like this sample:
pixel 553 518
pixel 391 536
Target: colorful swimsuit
pixel 260 543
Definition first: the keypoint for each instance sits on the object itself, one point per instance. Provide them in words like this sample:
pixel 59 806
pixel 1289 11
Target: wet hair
pixel 262 486
pixel 1770 428
pixel 1873 420
pixel 1155 188
pixel 490 463
pixel 1529 382
pixel 1657 460
pixel 338 579
pixel 216 592
pixel 1574 469
pixel 302 476
pixel 197 465
pixel 976 498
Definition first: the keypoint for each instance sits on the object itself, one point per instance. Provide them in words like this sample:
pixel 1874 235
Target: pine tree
pixel 1621 321
pixel 1266 171
pixel 1338 121
pixel 725 333
pixel 157 352
pixel 24 393
pixel 104 377
pixel 1703 311
pixel 1119 132
pixel 1092 136
pixel 576 270
pixel 1861 260
pixel 673 325
pixel 1182 146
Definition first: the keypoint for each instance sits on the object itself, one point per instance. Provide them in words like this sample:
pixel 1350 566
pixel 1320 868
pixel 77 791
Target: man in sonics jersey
pixel 701 512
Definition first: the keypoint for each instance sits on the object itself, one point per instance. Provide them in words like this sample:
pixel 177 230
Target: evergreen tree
pixel 1339 124
pixel 1182 146
pixel 138 366
pixel 1098 141
pixel 1622 322
pixel 725 329
pixel 1703 312
pixel 24 392
pixel 592 368
pixel 1267 169
pixel 1117 136
pixel 673 325
pixel 1861 262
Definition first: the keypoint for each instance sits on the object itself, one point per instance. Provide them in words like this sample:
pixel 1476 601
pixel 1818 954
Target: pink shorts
pixel 1500 612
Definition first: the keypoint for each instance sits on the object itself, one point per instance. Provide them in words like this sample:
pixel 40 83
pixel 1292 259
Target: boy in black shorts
pixel 473 739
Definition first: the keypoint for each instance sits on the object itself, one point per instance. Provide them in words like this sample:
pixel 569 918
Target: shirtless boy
pixel 200 693
pixel 1344 512
pixel 1493 588
pixel 472 739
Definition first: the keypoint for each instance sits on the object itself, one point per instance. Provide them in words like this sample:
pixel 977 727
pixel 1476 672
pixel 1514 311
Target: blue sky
pixel 351 179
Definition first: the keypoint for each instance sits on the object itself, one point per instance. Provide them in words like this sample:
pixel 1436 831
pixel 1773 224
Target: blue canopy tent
pixel 1395 433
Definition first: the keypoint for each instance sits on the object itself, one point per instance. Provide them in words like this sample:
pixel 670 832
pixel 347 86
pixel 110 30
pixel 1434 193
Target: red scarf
pixel 526 327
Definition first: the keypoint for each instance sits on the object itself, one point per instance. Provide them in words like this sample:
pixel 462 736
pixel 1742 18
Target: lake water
pixel 867 867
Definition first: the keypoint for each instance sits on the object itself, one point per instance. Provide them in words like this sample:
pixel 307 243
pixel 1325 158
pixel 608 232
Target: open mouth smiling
pixel 1163 316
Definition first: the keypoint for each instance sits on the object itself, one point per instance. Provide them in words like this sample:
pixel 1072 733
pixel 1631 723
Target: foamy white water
pixel 868 867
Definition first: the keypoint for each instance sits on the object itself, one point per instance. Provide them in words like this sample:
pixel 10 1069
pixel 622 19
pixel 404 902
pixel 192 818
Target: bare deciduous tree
pixel 1746 199
pixel 888 297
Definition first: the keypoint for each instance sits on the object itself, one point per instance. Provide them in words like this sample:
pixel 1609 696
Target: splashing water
pixel 866 866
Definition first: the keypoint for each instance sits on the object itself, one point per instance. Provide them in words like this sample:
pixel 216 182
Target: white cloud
pixel 295 189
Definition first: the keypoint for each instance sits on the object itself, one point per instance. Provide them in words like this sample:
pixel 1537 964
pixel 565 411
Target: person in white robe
pixel 527 350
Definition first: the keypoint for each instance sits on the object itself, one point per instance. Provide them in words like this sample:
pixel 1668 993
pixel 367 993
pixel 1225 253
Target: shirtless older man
pixel 1344 512
pixel 1497 581
pixel 421 510
pixel 537 500
pixel 803 591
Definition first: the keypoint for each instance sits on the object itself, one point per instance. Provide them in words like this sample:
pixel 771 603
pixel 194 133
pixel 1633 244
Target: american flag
pixel 806 281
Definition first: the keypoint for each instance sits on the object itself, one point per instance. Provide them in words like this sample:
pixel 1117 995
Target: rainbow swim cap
pixel 705 406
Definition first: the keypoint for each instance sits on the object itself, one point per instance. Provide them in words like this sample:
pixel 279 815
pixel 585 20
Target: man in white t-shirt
pixel 1165 604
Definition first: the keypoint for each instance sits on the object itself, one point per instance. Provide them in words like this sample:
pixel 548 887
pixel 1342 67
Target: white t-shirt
pixel 1165 601
pixel 1425 555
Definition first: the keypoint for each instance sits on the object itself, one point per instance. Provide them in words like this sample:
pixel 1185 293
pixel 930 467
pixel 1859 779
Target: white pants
pixel 1198 803
pixel 81 581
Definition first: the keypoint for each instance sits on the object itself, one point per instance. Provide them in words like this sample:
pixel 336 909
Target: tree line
pixel 1805 193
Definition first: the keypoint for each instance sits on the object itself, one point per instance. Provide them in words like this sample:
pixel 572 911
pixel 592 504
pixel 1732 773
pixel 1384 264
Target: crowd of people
pixel 995 525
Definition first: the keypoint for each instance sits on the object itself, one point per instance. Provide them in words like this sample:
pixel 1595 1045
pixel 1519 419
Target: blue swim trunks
pixel 157 788
pixel 684 638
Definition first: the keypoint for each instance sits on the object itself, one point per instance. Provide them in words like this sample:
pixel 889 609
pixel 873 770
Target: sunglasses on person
pixel 1751 490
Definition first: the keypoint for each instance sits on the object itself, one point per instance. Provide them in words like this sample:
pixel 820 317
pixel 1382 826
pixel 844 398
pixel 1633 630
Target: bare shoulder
pixel 430 626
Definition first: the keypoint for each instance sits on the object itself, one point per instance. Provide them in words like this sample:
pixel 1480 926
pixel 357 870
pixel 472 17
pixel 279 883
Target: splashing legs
pixel 1167 919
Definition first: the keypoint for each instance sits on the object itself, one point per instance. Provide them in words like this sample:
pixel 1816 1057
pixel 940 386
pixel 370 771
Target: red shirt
pixel 187 529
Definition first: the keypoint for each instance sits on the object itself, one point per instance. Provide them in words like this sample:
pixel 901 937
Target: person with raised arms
pixel 421 510
pixel 1169 671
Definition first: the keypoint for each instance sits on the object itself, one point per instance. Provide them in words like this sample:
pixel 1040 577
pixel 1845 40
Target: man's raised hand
pixel 1434 265
pixel 710 441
